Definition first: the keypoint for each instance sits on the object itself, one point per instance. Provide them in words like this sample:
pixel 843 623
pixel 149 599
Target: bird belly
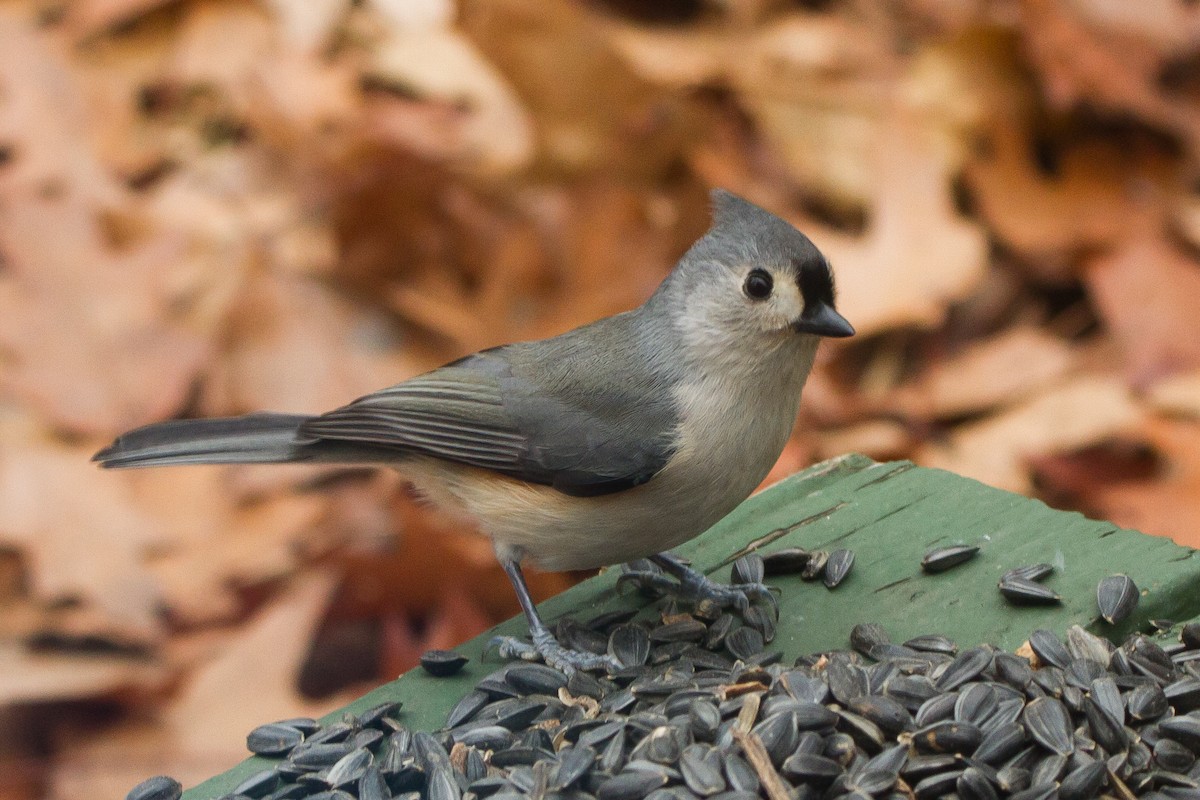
pixel 560 532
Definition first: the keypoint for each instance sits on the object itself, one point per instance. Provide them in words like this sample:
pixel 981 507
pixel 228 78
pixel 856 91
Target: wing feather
pixel 477 412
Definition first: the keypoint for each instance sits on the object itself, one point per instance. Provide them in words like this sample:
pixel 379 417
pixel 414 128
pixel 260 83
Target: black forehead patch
pixel 815 280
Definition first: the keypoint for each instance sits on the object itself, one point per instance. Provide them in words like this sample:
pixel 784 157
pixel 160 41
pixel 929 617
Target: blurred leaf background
pixel 217 206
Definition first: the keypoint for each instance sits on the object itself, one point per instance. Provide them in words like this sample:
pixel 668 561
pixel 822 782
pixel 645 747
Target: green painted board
pixel 889 515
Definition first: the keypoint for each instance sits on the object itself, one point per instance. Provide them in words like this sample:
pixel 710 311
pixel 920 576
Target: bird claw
pixel 648 580
pixel 546 648
pixel 696 586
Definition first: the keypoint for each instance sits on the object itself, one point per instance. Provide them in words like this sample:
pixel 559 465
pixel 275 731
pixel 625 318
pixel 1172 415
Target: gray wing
pixel 580 436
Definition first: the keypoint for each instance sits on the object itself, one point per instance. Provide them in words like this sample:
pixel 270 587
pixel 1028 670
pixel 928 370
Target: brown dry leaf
pixel 87 334
pixel 918 254
pixel 817 85
pixel 879 439
pixel 677 58
pixel 1147 291
pixel 1176 394
pixel 485 128
pixel 990 372
pixel 1168 505
pixel 1112 56
pixel 307 25
pixel 81 533
pixel 1096 193
pixel 86 330
pixel 27 677
pixel 87 18
pixel 298 347
pixel 246 546
pixel 619 125
pixel 246 678
pixel 1079 412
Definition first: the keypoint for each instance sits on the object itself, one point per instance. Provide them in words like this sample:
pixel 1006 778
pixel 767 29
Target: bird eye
pixel 758 284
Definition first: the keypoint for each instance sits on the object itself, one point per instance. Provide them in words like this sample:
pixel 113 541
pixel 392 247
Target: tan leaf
pixel 298 347
pixel 918 254
pixel 27 677
pixel 990 372
pixel 1147 292
pixel 1097 192
pixel 1177 394
pixel 1169 503
pixel 491 132
pixel 1080 412
pixel 247 678
pixel 81 533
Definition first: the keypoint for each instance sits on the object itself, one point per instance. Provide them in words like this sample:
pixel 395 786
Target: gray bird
pixel 615 441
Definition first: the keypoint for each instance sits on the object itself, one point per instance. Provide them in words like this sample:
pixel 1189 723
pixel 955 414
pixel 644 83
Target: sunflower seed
pixel 1023 592
pixel 350 767
pixel 1147 702
pixel 161 787
pixel 837 567
pixel 866 635
pixel 629 644
pixel 815 568
pixel 528 679
pixel 1029 572
pixel 701 768
pixel 630 785
pixel 811 767
pixel 259 784
pixel 944 558
pixel 442 663
pixel 747 569
pixel 1117 596
pixel 1049 648
pixel 1000 743
pixel 966 666
pixel 973 784
pixel 1185 730
pixel 948 737
pixel 931 643
pixel 688 629
pixel 1049 724
pixel 787 561
pixel 273 739
pixel 744 643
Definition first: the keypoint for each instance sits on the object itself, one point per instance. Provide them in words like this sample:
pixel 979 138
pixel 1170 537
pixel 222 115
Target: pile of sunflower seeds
pixel 703 710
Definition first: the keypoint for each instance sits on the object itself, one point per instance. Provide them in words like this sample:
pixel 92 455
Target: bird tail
pixel 250 439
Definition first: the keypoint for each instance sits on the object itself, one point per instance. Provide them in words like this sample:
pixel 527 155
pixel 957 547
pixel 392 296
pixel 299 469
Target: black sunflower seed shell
pixel 747 569
pixel 1049 725
pixel 161 787
pixel 1023 592
pixel 943 558
pixel 1028 572
pixel 837 567
pixel 273 739
pixel 442 663
pixel 787 561
pixel 1116 596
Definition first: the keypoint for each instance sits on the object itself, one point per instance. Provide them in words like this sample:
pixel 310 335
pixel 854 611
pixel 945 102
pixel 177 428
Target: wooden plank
pixel 889 515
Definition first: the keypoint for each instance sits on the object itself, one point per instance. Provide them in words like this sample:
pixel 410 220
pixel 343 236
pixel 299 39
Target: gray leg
pixel 544 646
pixel 697 586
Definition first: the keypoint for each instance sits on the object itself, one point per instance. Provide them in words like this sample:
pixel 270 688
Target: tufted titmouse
pixel 615 441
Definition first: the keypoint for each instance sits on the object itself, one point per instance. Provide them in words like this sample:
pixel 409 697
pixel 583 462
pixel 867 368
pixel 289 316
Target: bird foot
pixel 690 584
pixel 546 648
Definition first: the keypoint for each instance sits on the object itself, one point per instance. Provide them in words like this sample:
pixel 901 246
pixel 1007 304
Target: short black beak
pixel 822 319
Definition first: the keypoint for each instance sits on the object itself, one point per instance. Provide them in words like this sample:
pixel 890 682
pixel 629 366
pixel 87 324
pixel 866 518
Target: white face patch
pixel 777 312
